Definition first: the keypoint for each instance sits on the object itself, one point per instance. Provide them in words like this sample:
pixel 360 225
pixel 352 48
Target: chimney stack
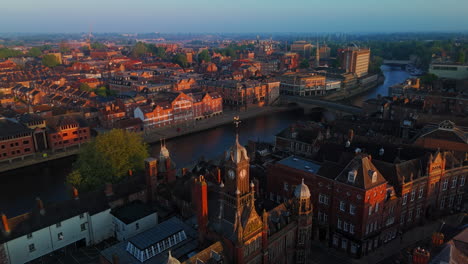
pixel 75 194
pixel 40 206
pixel 6 227
pixel 108 190
pixel 115 259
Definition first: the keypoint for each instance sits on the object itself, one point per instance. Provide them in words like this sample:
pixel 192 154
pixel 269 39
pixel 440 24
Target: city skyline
pixel 242 16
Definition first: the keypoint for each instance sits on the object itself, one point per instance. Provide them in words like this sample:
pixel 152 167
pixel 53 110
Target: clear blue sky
pixel 233 16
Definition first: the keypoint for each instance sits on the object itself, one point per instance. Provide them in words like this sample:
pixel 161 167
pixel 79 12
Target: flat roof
pixel 132 212
pixel 300 164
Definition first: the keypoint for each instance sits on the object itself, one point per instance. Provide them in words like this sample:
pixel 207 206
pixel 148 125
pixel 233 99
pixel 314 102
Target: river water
pixel 20 187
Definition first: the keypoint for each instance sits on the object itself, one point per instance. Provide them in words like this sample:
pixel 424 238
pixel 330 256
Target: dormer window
pixel 352 176
pixel 373 175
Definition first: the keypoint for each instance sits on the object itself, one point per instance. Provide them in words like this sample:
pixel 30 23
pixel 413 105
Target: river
pixel 20 187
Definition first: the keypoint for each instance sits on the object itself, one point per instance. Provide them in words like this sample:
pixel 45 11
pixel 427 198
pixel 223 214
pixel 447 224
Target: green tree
pixel 98 46
pixel 304 64
pixel 139 50
pixel 34 52
pixel 429 78
pixel 102 91
pixel 180 59
pixel 75 178
pixel 204 56
pixel 50 60
pixel 45 47
pixel 108 159
pixel 85 87
pixel 375 63
pixel 461 57
pixel 8 53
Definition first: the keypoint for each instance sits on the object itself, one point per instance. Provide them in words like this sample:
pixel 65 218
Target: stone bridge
pixel 310 102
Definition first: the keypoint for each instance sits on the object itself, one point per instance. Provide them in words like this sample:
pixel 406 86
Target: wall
pixel 101 226
pixel 125 231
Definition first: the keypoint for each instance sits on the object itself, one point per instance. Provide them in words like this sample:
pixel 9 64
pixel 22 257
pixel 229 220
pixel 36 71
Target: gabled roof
pixel 364 170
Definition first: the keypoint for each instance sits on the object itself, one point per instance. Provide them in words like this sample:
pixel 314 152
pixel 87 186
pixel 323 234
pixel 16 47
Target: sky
pixel 235 16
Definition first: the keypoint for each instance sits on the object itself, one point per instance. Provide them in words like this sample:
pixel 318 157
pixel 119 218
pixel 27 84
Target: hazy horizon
pixel 241 16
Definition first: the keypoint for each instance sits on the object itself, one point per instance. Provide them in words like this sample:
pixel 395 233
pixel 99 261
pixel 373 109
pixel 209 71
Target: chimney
pixel 115 259
pixel 108 190
pixel 40 206
pixel 6 227
pixel 130 172
pixel 219 175
pixel 75 194
pixel 184 171
pixel 200 200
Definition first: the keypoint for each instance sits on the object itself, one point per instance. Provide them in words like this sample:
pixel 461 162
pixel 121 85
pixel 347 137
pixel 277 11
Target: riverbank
pixel 350 93
pixel 227 117
pixel 153 136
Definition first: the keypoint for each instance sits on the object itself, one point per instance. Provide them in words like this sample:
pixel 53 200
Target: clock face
pixel 243 173
pixel 232 175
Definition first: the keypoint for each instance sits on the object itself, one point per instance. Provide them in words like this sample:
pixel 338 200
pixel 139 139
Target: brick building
pixel 16 140
pixel 67 131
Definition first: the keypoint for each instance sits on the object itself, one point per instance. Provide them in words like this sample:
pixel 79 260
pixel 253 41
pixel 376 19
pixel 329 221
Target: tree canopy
pixel 139 50
pixel 34 52
pixel 7 53
pixel 204 55
pixel 50 60
pixel 304 64
pixel 98 46
pixel 107 159
pixel 180 59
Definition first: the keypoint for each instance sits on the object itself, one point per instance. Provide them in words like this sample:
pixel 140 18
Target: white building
pixel 75 223
pixel 132 219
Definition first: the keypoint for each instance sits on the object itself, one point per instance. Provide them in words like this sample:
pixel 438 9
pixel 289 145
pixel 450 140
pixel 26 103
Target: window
pixel 444 185
pixel 410 216
pixel 59 224
pixel 402 219
pixel 26 142
pixel 421 192
pixel 27 149
pixel 405 198
pixel 29 236
pixel 137 226
pixel 285 186
pixel 454 182
pixel 325 218
pixel 81 216
pixel 83 227
pixel 60 236
pixel 442 203
pixel 344 243
pixel 418 212
pixel 370 209
pixel 342 206
pixel 413 194
pixel 352 176
pixel 351 228
pixel 352 209
pixel 65 134
pixel 462 180
pixel 323 199
pixel 376 207
pixel 335 240
pixel 451 199
pixel 339 224
pixel 459 199
pixel 353 248
pixel 32 248
pixel 346 226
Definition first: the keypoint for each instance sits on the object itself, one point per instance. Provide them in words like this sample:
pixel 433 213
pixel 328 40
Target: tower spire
pixel 237 122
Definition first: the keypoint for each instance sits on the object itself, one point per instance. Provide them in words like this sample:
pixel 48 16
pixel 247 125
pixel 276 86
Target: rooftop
pixel 300 164
pixel 132 212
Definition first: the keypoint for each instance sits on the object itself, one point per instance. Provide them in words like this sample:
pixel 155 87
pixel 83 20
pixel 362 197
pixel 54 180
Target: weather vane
pixel 237 121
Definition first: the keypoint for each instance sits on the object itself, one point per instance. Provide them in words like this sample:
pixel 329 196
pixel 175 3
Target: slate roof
pixel 132 212
pixel 362 164
pixel 10 128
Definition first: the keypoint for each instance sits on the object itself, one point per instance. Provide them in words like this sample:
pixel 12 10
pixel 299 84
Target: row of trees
pixel 101 91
